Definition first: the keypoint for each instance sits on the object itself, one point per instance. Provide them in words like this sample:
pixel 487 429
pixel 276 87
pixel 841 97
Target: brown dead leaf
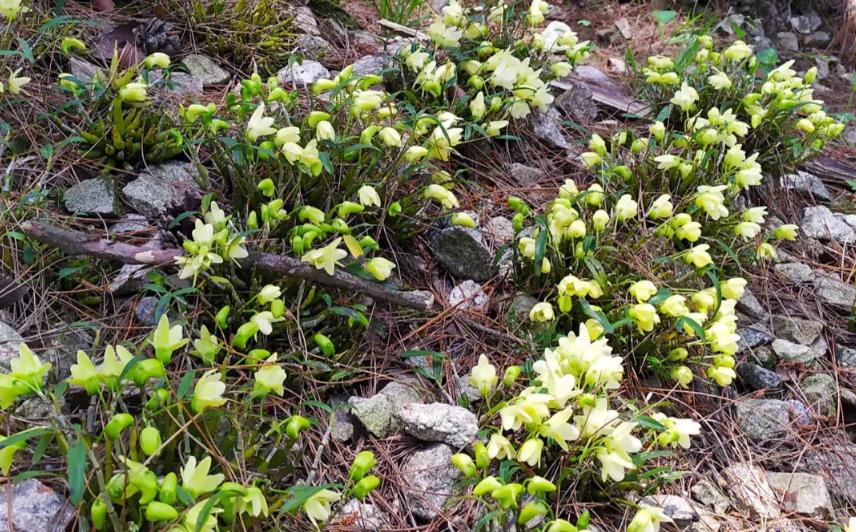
pixel 130 55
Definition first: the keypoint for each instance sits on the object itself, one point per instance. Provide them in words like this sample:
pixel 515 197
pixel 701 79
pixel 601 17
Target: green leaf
pixel 42 446
pixel 584 22
pixel 694 325
pixel 69 271
pixel 650 423
pixel 665 16
pixel 26 49
pixel 664 113
pixel 300 493
pixel 601 318
pixel 76 470
pixel 25 435
pixel 540 247
pixel 209 505
pixel 185 384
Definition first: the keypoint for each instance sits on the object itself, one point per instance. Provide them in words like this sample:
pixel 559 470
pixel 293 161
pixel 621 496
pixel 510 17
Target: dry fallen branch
pixel 79 243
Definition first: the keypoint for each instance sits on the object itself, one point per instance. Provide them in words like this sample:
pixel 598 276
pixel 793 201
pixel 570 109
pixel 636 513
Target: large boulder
pixel 462 251
pixel 91 196
pixel 34 507
pixel 453 425
pixel 161 188
pixel 762 419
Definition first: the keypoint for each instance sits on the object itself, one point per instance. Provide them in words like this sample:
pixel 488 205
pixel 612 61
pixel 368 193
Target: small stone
pixel 526 175
pixel 750 491
pixel 806 24
pixel 762 419
pixel 679 509
pixel 376 413
pixel 578 103
pixel 429 478
pixel 342 425
pixel 821 393
pixel 314 47
pixel 796 272
pixel 749 305
pixel 788 41
pixel 10 340
pixel 617 65
pixel 608 36
pixel 623 27
pixel 517 316
pixel 91 196
pixel 468 295
pixel 846 356
pixel 305 21
pixel 370 64
pixel 467 390
pixel 753 336
pixel 131 277
pixel 178 83
pixel 499 231
pixel 35 508
pixel 834 292
pixel 356 515
pixel 818 38
pixel 82 70
pixel 593 75
pixel 302 74
pixel 453 425
pixel 797 330
pixel 794 353
pixel 205 69
pixel 764 357
pixel 807 185
pixel 819 222
pixel 802 493
pixel 849 135
pixel 462 251
pixel 130 223
pixel 836 464
pixel 758 378
pixel 800 413
pixel 546 127
pixel 161 188
pixel 145 310
pixel 708 494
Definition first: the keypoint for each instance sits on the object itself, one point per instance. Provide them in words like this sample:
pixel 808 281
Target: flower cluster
pixel 566 409
pixel 213 240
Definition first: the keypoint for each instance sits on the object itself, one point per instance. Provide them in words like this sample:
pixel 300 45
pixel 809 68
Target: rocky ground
pixel 777 450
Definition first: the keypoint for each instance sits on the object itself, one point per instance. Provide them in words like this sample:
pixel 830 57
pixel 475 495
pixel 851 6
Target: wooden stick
pixel 79 243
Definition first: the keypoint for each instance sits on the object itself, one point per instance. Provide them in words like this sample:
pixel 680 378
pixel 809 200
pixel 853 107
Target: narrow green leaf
pixel 185 383
pixel 76 471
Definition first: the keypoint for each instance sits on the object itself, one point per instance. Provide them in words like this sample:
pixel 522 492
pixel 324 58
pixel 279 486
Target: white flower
pixel 259 125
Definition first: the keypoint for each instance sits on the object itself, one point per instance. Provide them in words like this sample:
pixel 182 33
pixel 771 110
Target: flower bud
pixel 482 456
pixel 117 424
pixel 168 491
pixel 266 187
pixel 362 464
pixel 325 344
pixel 532 510
pixel 295 425
pixel 510 375
pixel 150 441
pixel 464 464
pixel 98 513
pixel 158 511
pixel 487 485
pixel 365 486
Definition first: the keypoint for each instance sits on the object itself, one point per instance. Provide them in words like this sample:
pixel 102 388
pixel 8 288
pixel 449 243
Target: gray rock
pixel 797 330
pixel 758 378
pixel 623 27
pixel 762 419
pixel 846 356
pixel 314 47
pixel 84 71
pixel 802 493
pixel 61 349
pixel 819 222
pixel 467 390
pixel 836 464
pixel 800 413
pixel 617 65
pixel 91 196
pixel 453 425
pixel 178 83
pixel 821 393
pixel 849 135
pixel 145 310
pixel 806 185
pixel 462 251
pixel 818 38
pixel 753 336
pixel 468 295
pixel 749 305
pixel 833 291
pixel 303 74
pixel 788 41
pixel 161 188
pixel 205 69
pixel 764 357
pixel 356 515
pixel 526 175
pixel 578 104
pixel 429 478
pixel 806 24
pixel 499 231
pixel 342 425
pixel 709 495
pixel 794 353
pixel 35 508
pixel 10 340
pixel 370 64
pixel 594 75
pixel 608 36
pixel 750 491
pixel 546 127
pixel 679 509
pixel 130 223
pixel 796 272
pixel 130 278
pixel 517 315
pixel 377 413
pixel 305 22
